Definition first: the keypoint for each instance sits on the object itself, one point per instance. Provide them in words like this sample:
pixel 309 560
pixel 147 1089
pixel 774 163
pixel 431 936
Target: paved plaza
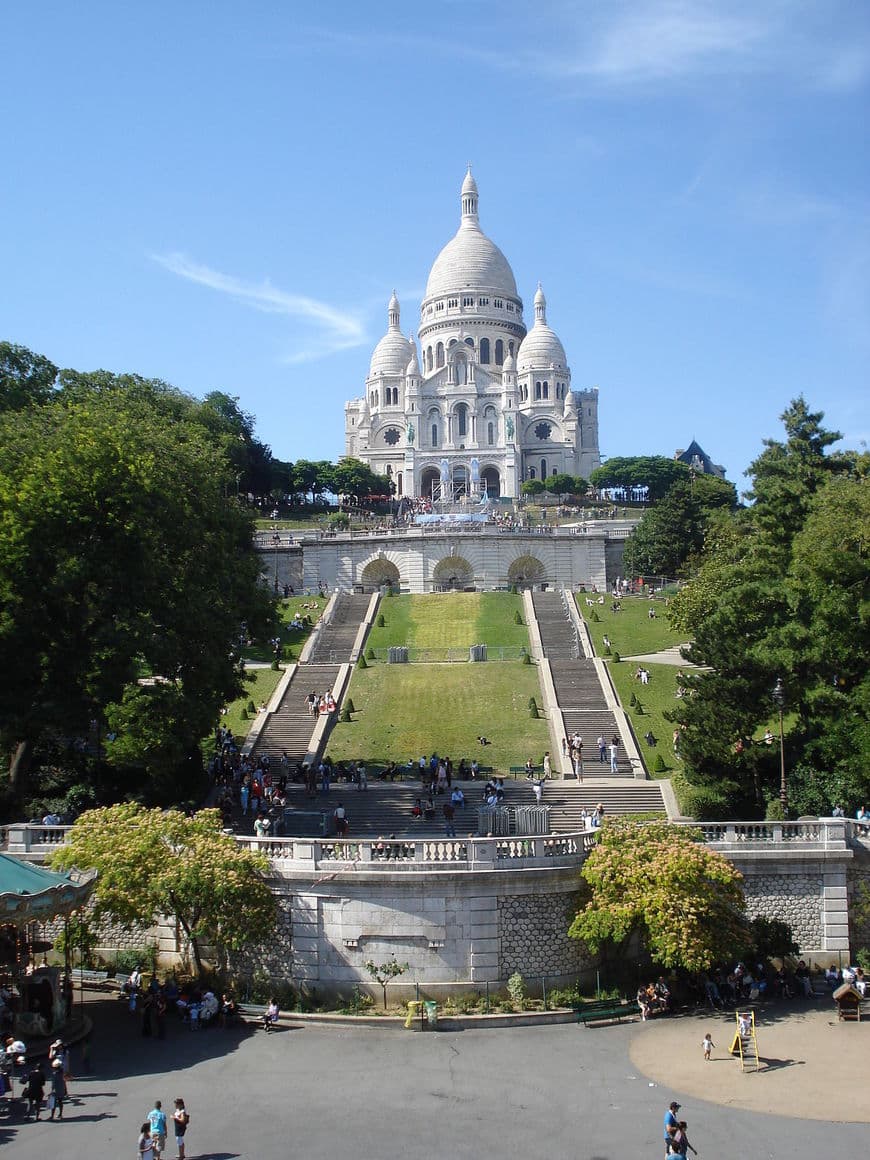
pixel 563 1092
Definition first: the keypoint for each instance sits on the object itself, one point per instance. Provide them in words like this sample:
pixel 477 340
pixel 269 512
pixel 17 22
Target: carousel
pixel 35 997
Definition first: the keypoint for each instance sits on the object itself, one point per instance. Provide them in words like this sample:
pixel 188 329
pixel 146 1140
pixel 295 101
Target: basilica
pixel 483 404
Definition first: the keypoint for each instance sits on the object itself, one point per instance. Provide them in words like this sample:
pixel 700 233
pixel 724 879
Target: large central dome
pixel 470 260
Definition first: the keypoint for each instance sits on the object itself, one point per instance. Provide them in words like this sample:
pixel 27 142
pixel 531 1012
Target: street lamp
pixel 276 540
pixel 778 698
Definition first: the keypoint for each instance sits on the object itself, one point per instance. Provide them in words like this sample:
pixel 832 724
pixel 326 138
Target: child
pixel 708 1045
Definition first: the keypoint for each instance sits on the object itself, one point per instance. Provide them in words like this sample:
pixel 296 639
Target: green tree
pixel 356 480
pixel 153 863
pixel 560 484
pixel 120 554
pixel 651 471
pixel 533 487
pixel 667 535
pixel 767 602
pixel 662 883
pixel 26 378
pixel 312 477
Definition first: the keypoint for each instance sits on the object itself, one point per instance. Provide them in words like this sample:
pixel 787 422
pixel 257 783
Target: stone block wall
pixel 792 898
pixel 534 936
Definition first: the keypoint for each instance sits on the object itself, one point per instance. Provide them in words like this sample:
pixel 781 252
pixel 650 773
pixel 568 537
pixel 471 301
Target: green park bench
pixel 605 1010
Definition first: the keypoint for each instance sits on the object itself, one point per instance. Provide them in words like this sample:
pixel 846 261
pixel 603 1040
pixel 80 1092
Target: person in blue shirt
pixel 157 1120
pixel 671 1125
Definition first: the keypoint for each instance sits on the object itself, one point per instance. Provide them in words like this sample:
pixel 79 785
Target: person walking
pixel 157 1120
pixel 35 1090
pixel 180 1118
pixel 449 819
pixel 708 1045
pixel 614 756
pixel 671 1125
pixel 602 749
pixel 145 1148
pixel 57 1094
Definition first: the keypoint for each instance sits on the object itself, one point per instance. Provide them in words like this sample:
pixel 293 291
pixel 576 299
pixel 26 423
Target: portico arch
pixel 526 571
pixel 379 572
pixel 491 481
pixel 452 574
pixel 430 478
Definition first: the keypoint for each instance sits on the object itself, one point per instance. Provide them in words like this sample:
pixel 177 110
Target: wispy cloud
pixel 326 331
pixel 818 43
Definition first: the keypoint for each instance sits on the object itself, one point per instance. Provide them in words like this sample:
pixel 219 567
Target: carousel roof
pixel 30 893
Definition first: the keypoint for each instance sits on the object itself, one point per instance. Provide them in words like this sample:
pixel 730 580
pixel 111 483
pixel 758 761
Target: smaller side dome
pixel 393 352
pixel 413 367
pixel 541 349
pixel 510 364
pixel 570 402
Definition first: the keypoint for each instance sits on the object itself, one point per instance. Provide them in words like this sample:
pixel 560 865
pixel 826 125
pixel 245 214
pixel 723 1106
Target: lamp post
pixel 778 698
pixel 276 540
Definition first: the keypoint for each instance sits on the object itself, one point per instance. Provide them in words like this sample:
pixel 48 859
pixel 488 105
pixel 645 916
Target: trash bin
pixel 430 1014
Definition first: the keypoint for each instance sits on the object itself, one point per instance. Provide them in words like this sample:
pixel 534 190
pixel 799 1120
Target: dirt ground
pixel 811 1066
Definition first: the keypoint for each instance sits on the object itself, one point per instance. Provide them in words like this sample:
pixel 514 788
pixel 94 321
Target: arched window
pixel 462 420
pixel 428 358
pixel 439 355
pixel 499 352
pixel 399 490
pixel 470 342
pixel 490 433
pixel 511 346
pixel 531 473
pixel 484 350
pixel 546 387
pixel 538 390
pixel 543 469
pixel 434 434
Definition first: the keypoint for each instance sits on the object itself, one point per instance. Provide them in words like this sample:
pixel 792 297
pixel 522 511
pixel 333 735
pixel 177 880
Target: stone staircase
pixel 578 688
pixel 335 640
pixel 290 727
pixel 385 808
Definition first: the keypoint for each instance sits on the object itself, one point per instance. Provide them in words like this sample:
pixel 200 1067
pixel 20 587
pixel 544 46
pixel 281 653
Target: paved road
pixel 564 1093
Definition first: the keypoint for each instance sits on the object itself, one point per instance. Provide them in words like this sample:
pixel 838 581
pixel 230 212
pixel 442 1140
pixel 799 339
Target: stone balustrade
pixel 36 842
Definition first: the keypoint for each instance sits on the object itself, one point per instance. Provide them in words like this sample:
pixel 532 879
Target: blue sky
pixel 224 195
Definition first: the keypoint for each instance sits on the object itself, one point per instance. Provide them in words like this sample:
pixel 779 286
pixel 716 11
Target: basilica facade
pixel 484 404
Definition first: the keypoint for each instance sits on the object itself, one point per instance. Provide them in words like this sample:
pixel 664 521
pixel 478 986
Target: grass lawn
pixel 450 620
pixel 403 711
pixel 292 639
pixel 631 631
pixel 655 697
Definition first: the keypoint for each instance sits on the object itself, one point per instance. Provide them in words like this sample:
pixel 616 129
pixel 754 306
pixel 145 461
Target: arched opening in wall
pixel 460 370
pixel 460 481
pixel 543 469
pixel 470 342
pixel 490 434
pixel 461 414
pixel 491 482
pixel 378 573
pixel 526 571
pixel 499 352
pixel 452 574
pixel 439 355
pixel 430 478
pixel 484 350
pixel 429 360
pixel 399 480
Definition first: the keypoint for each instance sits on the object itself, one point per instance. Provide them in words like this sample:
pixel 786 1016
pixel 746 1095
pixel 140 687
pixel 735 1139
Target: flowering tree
pixel 661 882
pixel 153 863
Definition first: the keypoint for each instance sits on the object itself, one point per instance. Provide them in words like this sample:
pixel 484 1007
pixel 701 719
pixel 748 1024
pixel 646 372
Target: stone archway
pixel 490 478
pixel 526 571
pixel 453 574
pixel 379 572
pixel 431 477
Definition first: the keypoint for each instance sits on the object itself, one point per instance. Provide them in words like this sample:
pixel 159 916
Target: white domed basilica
pixel 485 404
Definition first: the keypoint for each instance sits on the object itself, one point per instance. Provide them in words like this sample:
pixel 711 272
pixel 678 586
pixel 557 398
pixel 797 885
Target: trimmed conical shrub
pixel 518 617
pixel 659 764
pixel 351 708
pixel 381 623
pixel 362 663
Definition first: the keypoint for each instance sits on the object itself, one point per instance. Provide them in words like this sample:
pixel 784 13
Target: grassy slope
pixel 406 710
pixel 632 632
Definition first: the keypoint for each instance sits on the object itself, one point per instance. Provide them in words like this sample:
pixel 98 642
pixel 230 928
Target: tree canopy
pixel 662 883
pixel 121 556
pixel 783 591
pixel 655 472
pixel 153 863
